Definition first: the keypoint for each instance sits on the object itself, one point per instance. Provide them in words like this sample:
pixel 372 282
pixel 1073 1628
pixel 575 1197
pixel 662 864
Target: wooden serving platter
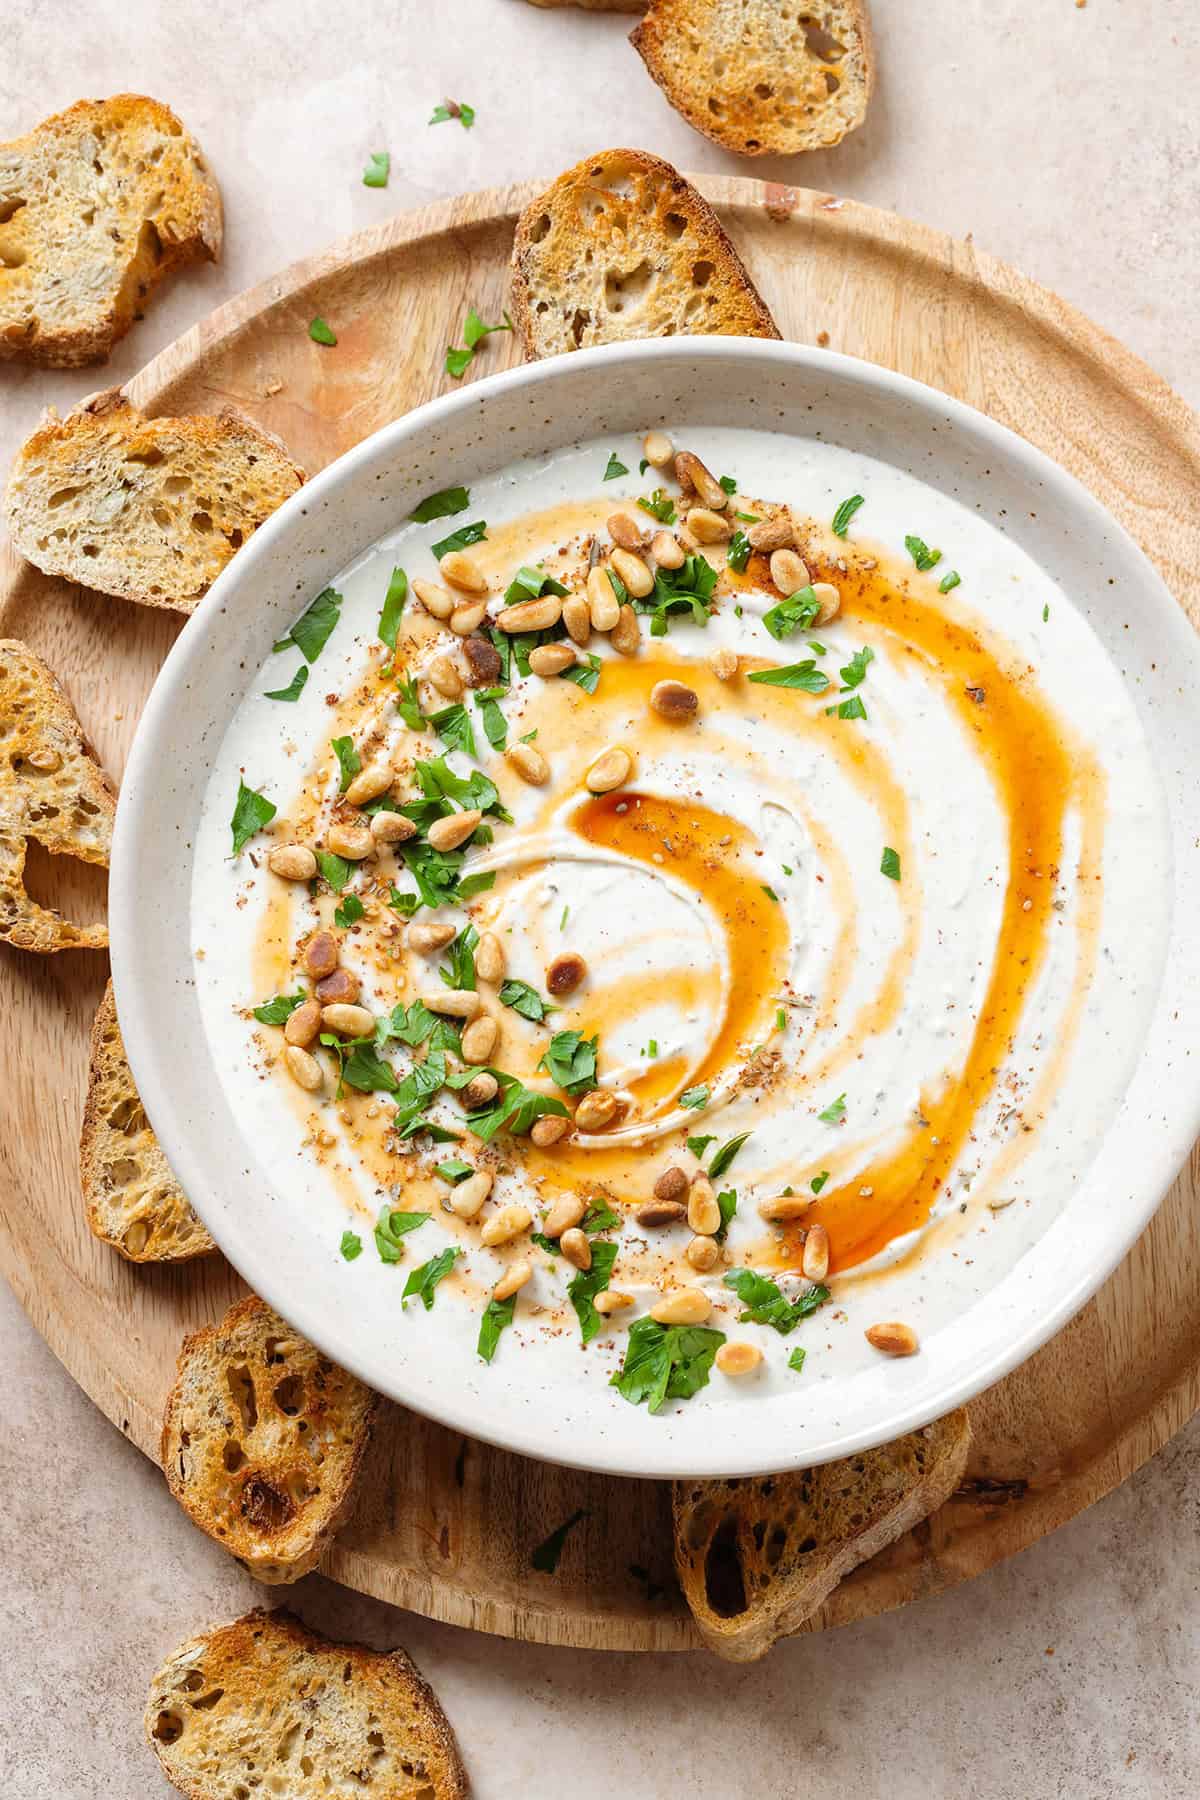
pixel 446 1526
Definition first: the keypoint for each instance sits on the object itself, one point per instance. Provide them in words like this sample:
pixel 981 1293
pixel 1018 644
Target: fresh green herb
pixel 460 539
pixel 419 1085
pixel 439 783
pixel 665 1362
pixel 251 812
pixel 562 923
pixel 279 1010
pixel 889 864
pixel 738 554
pixel 524 1000
pixel 455 1170
pixel 585 674
pixel 470 885
pixel 780 1015
pixel 570 1061
pixel 769 892
pixel 367 1071
pixel 818 1181
pixel 351 1245
pixel 515 1109
pixel 409 706
pixel 582 1290
pixel 849 709
pixel 530 584
pixel 855 670
pixel 442 505
pixel 796 613
pixel 686 590
pixel 404 903
pixel 422 1282
pixel 747 518
pixel 796 1359
pixel 377 170
pixel 615 467
pixel 413 1025
pixel 497 1315
pixel 922 555
pixel 835 1112
pixel 453 725
pixel 453 109
pixel 660 506
pixel 349 761
pixel 310 633
pixel 698 1145
pixel 393 606
pixel 391 1228
pixel 495 727
pixel 727 1203
pixel 765 1304
pixel 725 1155
pixel 951 579
pixel 545 1557
pixel 320 332
pixel 651 1048
pixel 335 870
pixel 845 513
pixel 544 1243
pixel 294 688
pixel 1045 613
pixel 729 483
pixel 803 675
pixel 695 1097
pixel 460 971
pixel 599 1217
pixel 474 331
pixel 349 912
pixel 458 361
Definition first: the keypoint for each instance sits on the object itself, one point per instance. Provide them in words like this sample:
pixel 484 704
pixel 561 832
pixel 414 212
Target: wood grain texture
pixel 446 1526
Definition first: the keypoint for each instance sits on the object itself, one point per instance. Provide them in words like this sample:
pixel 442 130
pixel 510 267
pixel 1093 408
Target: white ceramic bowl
pixel 289 1256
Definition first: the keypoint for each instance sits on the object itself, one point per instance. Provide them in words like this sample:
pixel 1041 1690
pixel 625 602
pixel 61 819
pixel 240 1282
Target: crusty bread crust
pixel 132 1199
pixel 99 204
pixel 756 1558
pixel 147 509
pixel 262 1439
pixel 52 789
pixel 757 80
pixel 621 247
pixel 265 1702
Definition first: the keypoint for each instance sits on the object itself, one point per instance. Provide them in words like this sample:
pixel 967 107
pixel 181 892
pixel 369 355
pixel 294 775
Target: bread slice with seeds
pixel 133 1201
pixel 756 1557
pixel 759 78
pixel 53 791
pixel 264 1706
pixel 262 1439
pixel 147 509
pixel 97 205
pixel 620 247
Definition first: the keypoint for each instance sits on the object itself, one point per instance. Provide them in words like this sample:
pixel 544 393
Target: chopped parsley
pixel 1045 613
pixel 495 726
pixel 530 584
pixel 497 1316
pixel 364 1069
pixel 294 688
pixel 474 331
pixel 251 812
pixel 660 506
pixel 460 971
pixel 687 589
pixel 351 1245
pixel 453 726
pixel 279 1010
pixel 695 1097
pixel 849 709
pixel 727 1204
pixel 422 1282
pixel 349 912
pixel 698 1145
pixel 803 675
pixel 769 892
pixel 409 706
pixel 951 579
pixel 454 1171
pixel 818 1181
pixel 524 1000
pixel 570 1061
pixel 766 1304
pixel 922 555
pixel 452 109
pixel 312 629
pixel 377 170
pixel 335 870
pixel 728 482
pixel 725 1155
pixel 460 539
pixel 442 505
pixel 615 467
pixel 889 863
pixel 582 1290
pixel 320 332
pixel 738 554
pixel 845 513
pixel 391 1228
pixel 796 1359
pixel 393 606
pixel 665 1362
pixel 515 1109
pixel 585 675
pixel 835 1112
pixel 349 761
pixel 545 1558
pixel 796 613
pixel 855 670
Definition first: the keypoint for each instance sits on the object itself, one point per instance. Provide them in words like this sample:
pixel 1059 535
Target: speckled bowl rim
pixel 1147 1141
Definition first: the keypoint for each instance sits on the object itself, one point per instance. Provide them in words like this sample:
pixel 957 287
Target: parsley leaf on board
pixel 294 688
pixel 460 539
pixel 442 505
pixel 582 1290
pixel 422 1282
pixel 279 1010
pixel 546 1557
pixel 391 1228
pixel 320 332
pixel 525 1000
pixel 803 675
pixel 922 555
pixel 349 761
pixel 393 606
pixel 497 1315
pixel 474 331
pixel 351 1245
pixel 845 513
pixel 766 1304
pixel 889 863
pixel 615 467
pixel 570 1061
pixel 458 361
pixel 665 1362
pixel 251 812
pixel 377 170
pixel 312 629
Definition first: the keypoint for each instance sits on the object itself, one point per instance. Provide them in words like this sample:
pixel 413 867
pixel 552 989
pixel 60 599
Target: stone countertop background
pixel 1066 139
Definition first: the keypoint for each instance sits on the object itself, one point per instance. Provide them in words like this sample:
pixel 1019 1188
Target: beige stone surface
pixel 1066 140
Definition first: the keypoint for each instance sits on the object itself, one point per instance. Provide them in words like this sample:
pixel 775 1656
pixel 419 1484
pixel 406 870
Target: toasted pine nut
pixel 552 659
pixel 434 599
pixel 783 1208
pixel 576 1248
pixel 466 619
pixel 603 604
pixel 303 1025
pixel 708 527
pixel 596 1110
pixel 672 700
pixel 672 1184
pixel 343 984
pixel 352 842
pixel 626 633
pixel 789 571
pixel 531 615
pixel 548 1130
pixel 703 1213
pixel 489 958
pixel 391 828
pixel 656 1213
pixel 563 1214
pixel 724 664
pixel 831 601
pixel 893 1339
pixel 454 829
pixel 577 618
pixel 480 1090
pixel 321 954
pixel 424 938
pixel 667 551
pixel 686 1306
pixel 609 771
pixel 610 1301
pixel 292 862
pixel 484 659
pixel 456 1003
pixel 738 1358
pixel 347 1021
pixel 513 1279
pixel 657 449
pixel 505 1225
pixel 529 762
pixel 565 973
pixel 771 534
pixel 634 573
pixel 815 1262
pixel 624 531
pixel 466 1199
pixel 691 472
pixel 444 676
pixel 373 779
pixel 702 1253
pixel 304 1069
pixel 479 1039
pixel 462 571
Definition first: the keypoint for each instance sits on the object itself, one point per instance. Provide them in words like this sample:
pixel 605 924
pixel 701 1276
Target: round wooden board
pixel 446 1526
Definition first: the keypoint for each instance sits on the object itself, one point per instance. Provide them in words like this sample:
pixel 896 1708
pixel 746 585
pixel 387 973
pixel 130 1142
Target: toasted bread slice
pixel 132 1199
pixel 621 246
pixel 149 509
pixel 97 205
pixel 264 1706
pixel 760 78
pixel 53 790
pixel 626 6
pixel 262 1439
pixel 755 1558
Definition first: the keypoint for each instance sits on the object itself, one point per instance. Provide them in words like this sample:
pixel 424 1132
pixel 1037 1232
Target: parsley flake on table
pixel 845 513
pixel 320 332
pixel 294 688
pixel 452 109
pixel 766 1304
pixel 458 361
pixel 377 170
pixel 665 1362
pixel 545 1558
pixel 889 863
pixel 251 812
pixel 922 555
pixel 422 1282
pixel 312 629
